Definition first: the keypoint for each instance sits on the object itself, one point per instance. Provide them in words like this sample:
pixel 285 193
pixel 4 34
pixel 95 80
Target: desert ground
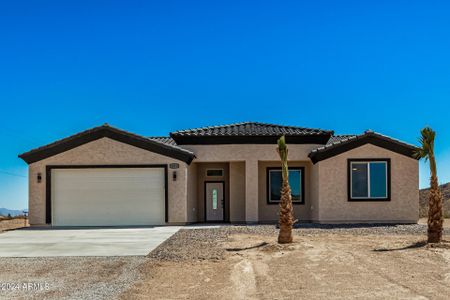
pixel 245 262
pixel 337 265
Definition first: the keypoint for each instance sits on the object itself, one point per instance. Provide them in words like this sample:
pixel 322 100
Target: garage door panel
pixel 108 197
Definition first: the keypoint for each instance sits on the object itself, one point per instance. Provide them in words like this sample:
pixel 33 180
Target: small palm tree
pixel 286 211
pixel 435 216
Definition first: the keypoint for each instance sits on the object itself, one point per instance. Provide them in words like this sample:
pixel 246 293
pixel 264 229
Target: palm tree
pixel 435 217
pixel 286 211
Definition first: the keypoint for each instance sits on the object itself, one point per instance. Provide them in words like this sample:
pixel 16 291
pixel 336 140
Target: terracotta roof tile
pixel 250 129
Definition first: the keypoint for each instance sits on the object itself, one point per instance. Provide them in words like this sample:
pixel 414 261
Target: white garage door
pixel 108 196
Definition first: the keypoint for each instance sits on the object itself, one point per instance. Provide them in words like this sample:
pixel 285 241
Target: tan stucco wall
pixel 237 192
pixel 108 152
pixel 269 212
pixel 192 186
pixel 333 200
pixel 314 192
pixel 225 153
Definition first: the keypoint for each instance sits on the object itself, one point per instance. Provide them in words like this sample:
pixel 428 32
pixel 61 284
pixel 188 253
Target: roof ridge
pixel 345 134
pixel 104 125
pixel 278 125
pixel 315 130
pixel 371 132
pixel 211 127
pixel 296 127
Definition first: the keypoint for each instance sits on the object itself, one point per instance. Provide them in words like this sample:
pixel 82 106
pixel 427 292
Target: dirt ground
pixel 424 222
pixel 316 266
pixel 67 277
pixel 365 261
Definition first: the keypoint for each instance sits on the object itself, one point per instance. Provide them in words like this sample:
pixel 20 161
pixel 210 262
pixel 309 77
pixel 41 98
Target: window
pixel 214 198
pixel 296 182
pixel 369 180
pixel 214 172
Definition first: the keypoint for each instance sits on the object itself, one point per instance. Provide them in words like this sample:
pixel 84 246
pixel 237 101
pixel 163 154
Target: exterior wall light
pixel 174 176
pixel 39 177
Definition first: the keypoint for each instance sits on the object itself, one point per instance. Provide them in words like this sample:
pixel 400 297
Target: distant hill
pixel 12 212
pixel 423 200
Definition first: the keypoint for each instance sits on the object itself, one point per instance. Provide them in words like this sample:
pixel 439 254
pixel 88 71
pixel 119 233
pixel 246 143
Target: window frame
pixel 302 182
pixel 368 161
pixel 214 169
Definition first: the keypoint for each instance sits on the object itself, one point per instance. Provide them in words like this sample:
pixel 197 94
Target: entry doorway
pixel 214 201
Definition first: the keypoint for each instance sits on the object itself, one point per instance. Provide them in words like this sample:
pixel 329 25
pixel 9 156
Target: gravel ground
pixel 324 262
pixel 108 277
pixel 69 277
pixel 192 244
pixel 205 243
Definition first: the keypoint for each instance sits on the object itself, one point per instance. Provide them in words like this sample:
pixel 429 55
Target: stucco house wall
pixel 106 151
pixel 250 152
pixel 332 189
pixel 237 192
pixel 192 194
pixel 314 192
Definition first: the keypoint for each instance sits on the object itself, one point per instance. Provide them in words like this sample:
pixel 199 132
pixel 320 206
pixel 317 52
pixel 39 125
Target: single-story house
pixel 105 176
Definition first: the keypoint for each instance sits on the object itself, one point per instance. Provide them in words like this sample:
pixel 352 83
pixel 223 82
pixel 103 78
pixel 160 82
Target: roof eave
pixel 101 132
pixel 320 139
pixel 367 138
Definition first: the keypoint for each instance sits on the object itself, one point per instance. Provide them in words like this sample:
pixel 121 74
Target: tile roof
pixel 106 130
pixel 339 138
pixel 341 143
pixel 163 139
pixel 238 133
pixel 250 129
pixel 167 141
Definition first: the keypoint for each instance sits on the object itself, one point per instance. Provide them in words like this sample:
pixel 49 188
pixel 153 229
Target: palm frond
pixel 282 143
pixel 420 153
pixel 426 141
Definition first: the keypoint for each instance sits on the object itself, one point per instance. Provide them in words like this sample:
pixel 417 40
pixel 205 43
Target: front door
pixel 214 201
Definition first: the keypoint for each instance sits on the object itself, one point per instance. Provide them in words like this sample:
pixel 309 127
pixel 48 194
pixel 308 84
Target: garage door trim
pixel 48 182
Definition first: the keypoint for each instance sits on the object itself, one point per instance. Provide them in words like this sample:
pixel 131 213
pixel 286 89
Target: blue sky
pixel 151 67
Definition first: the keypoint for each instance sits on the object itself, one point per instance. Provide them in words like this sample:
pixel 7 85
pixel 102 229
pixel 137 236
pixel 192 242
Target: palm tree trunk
pixel 435 217
pixel 286 215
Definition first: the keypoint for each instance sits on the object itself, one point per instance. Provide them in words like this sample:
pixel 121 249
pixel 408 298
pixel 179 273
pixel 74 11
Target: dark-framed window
pixel 296 182
pixel 369 179
pixel 214 172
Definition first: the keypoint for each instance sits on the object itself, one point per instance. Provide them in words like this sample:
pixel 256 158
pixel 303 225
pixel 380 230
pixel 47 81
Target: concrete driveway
pixel 83 242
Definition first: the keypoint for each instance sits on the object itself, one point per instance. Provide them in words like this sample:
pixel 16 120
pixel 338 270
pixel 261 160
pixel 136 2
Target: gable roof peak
pixel 339 144
pixel 106 131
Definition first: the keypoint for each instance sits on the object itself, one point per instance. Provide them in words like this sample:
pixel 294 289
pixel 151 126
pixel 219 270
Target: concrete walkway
pixel 83 242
